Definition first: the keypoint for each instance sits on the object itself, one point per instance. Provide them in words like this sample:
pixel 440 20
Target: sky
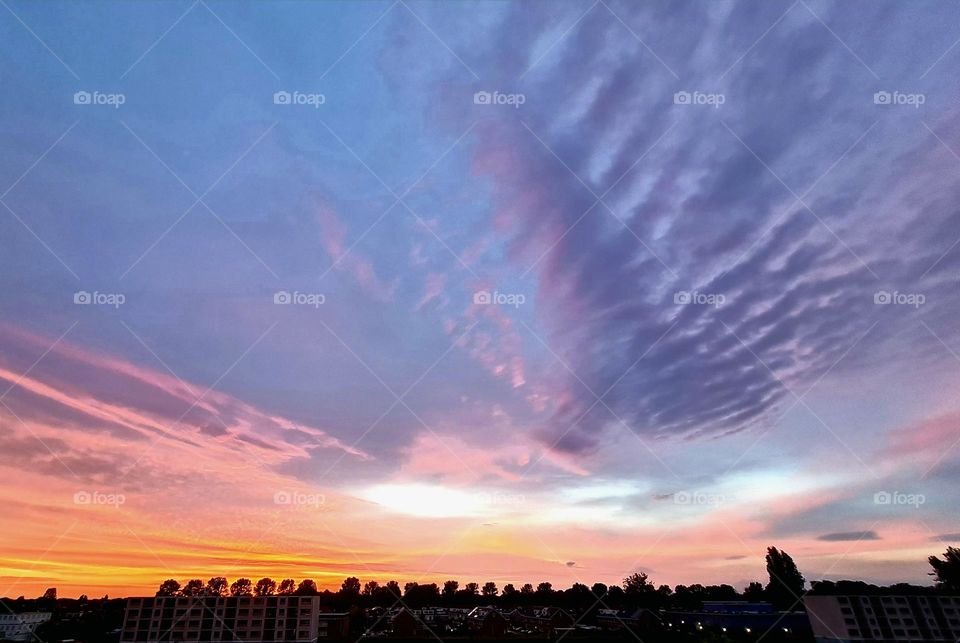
pixel 486 290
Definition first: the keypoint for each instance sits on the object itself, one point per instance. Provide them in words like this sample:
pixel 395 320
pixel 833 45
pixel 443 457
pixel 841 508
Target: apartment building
pixel 884 619
pixel 21 627
pixel 248 619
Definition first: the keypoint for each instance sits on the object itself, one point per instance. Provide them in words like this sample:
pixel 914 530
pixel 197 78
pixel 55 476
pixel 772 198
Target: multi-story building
pixel 250 619
pixel 20 627
pixel 738 616
pixel 883 619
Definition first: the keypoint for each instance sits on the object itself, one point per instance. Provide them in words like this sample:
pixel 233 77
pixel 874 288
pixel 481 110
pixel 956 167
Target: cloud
pixel 704 202
pixel 841 536
pixel 951 537
pixel 155 407
pixel 346 257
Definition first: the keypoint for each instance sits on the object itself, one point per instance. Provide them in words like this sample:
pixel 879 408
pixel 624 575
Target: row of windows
pixel 902 600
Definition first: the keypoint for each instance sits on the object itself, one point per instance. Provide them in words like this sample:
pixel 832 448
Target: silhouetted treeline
pixel 784 589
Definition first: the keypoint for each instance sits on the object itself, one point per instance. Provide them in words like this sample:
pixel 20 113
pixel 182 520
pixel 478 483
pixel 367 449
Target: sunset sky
pixel 414 290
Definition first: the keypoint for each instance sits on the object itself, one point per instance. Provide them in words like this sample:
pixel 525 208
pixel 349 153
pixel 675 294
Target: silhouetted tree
pixel 216 586
pixel 579 596
pixel 265 587
pixel 169 587
pixel 526 588
pixel 450 588
pixel 753 592
pixel 599 590
pixel 287 587
pixel 786 581
pixel 416 595
pixel 510 592
pixel 194 587
pixel 306 588
pixel 50 594
pixel 350 586
pixel 241 587
pixel 393 587
pixel 489 589
pixel 544 593
pixel 471 589
pixel 946 570
pixel 370 588
pixel 636 584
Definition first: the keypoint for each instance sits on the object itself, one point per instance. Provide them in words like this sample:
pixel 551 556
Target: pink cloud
pixel 333 236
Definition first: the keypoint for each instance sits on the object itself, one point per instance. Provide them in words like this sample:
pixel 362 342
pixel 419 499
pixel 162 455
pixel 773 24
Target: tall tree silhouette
pixel 946 571
pixel 786 581
pixel 287 586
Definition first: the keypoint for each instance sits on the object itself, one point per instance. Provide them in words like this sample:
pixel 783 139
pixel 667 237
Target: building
pixel 404 624
pixel 636 620
pixel 738 616
pixel 250 619
pixel 737 607
pixel 486 622
pixel 441 619
pixel 333 626
pixel 883 618
pixel 21 627
pixel 541 620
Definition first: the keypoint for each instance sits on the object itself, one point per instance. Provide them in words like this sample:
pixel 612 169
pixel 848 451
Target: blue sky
pixel 719 243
